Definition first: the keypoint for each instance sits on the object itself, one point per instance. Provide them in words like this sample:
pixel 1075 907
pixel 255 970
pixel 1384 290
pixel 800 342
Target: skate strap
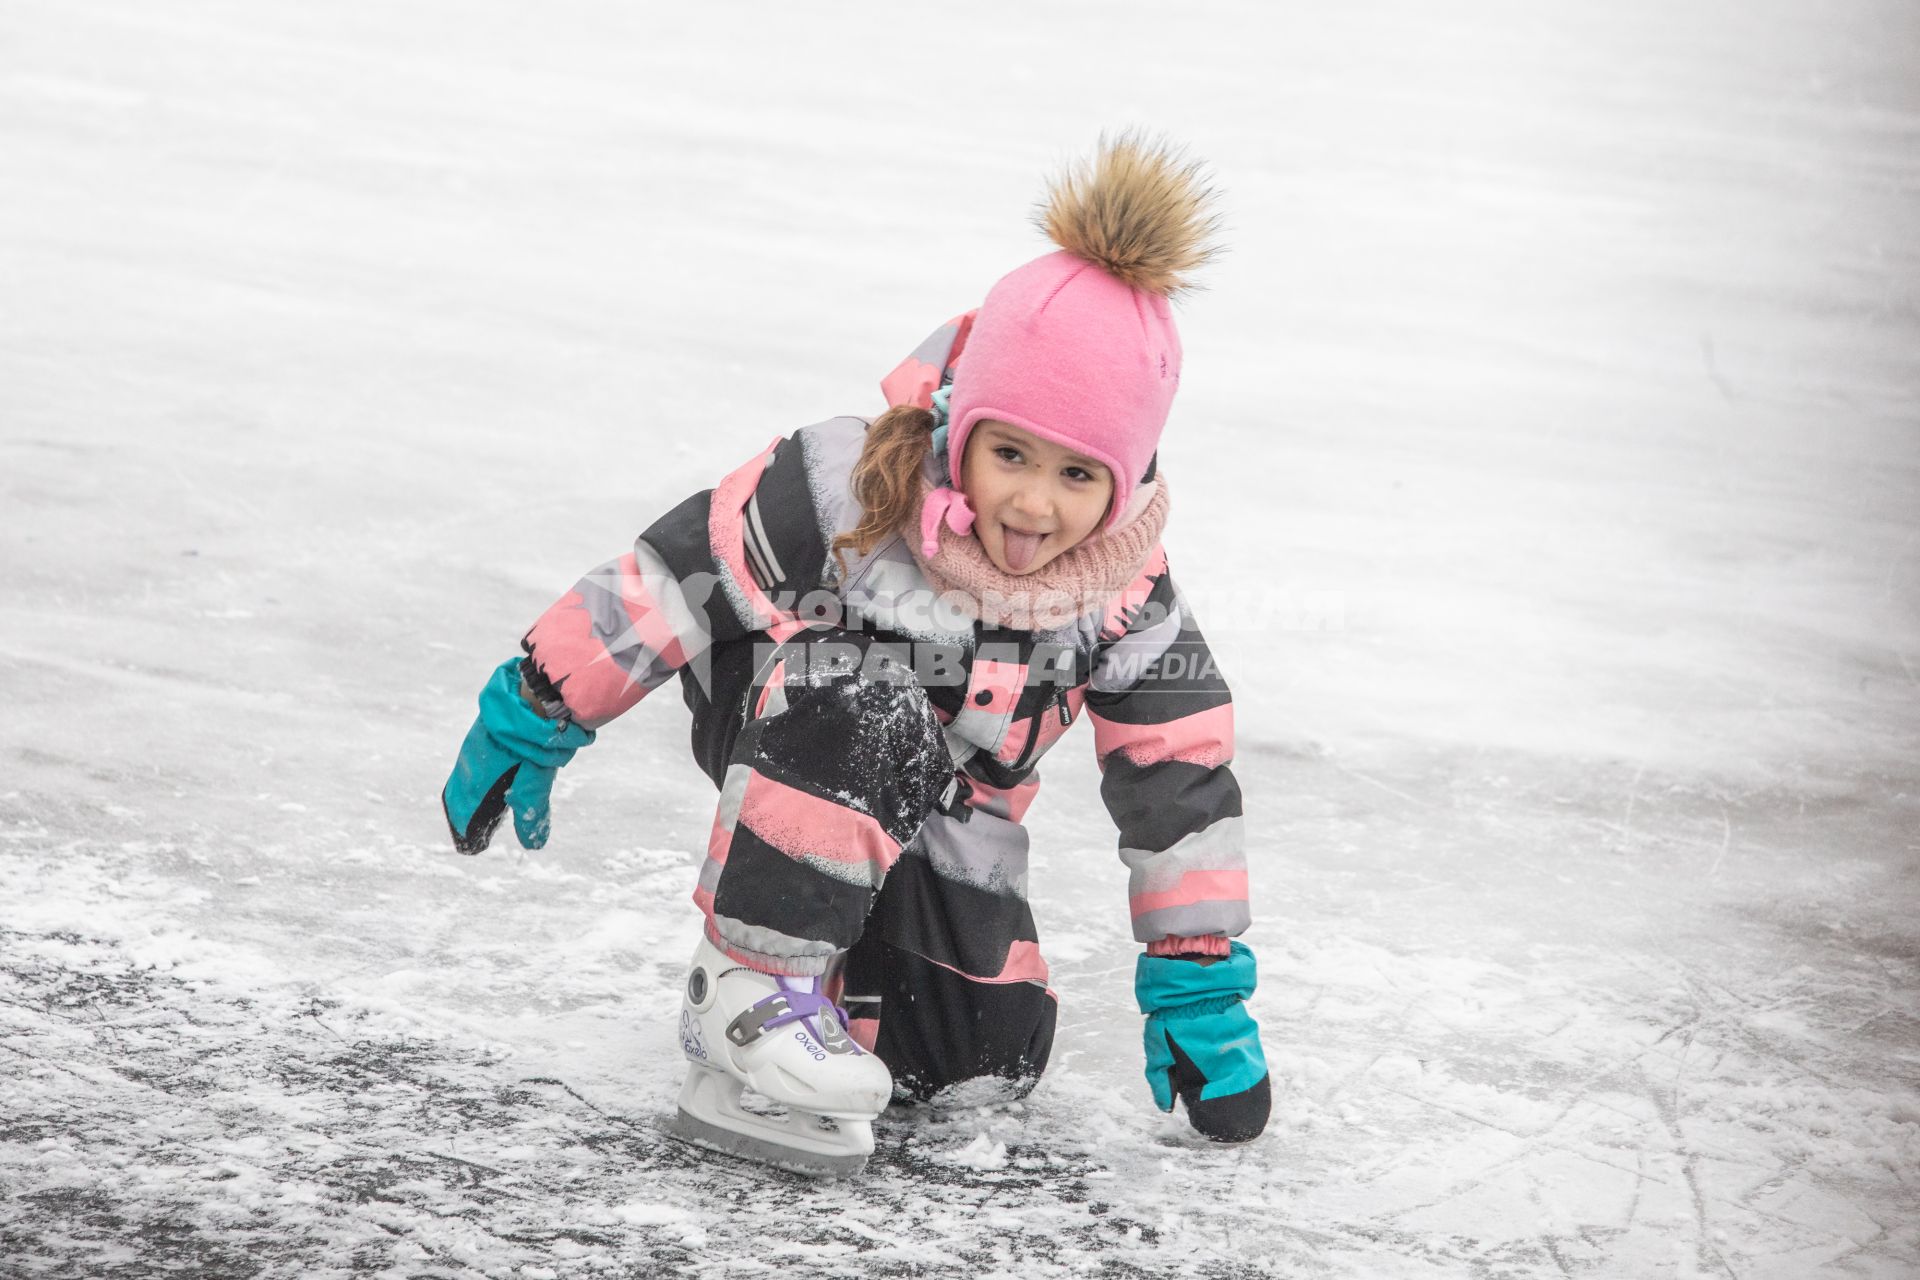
pixel 804 1004
pixel 777 1010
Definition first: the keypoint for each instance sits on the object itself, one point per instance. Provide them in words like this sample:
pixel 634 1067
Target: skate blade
pixel 812 1164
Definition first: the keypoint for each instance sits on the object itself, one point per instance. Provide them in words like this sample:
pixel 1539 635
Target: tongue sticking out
pixel 1020 548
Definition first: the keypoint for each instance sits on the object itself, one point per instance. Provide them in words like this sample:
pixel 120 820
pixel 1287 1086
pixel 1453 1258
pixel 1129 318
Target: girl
pixel 880 627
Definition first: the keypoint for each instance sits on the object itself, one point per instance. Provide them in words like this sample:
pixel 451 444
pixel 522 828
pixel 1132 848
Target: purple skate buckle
pixel 777 1010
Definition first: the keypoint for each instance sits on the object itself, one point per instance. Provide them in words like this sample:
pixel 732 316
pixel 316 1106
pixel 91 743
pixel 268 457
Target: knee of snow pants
pixel 935 1028
pixel 947 984
pixel 829 757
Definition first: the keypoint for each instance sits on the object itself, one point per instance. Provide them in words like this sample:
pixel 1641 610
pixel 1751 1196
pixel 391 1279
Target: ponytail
pixel 886 479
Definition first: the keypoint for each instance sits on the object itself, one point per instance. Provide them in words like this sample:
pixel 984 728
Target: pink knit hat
pixel 1073 354
pixel 1079 347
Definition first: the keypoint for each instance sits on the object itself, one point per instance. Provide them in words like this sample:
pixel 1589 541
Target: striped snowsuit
pixel 876 751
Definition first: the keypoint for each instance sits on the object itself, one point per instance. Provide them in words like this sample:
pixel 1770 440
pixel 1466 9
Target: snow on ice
pixel 1550 469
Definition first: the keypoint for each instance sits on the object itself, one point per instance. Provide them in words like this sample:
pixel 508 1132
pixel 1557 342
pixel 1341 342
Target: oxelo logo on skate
pixel 691 1042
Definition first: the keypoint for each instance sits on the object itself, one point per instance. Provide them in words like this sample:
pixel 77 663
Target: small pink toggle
pixel 943 504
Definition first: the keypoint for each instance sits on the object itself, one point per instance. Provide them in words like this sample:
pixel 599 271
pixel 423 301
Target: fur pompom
pixel 1139 210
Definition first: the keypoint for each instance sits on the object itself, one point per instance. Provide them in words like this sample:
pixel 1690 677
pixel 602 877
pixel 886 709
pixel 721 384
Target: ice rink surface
pixel 1547 476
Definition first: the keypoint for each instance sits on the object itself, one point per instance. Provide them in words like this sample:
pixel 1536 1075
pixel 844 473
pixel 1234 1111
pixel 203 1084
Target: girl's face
pixel 1035 500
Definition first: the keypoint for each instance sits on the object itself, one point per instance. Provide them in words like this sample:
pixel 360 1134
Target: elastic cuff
pixel 545 697
pixel 807 966
pixel 517 728
pixel 1212 944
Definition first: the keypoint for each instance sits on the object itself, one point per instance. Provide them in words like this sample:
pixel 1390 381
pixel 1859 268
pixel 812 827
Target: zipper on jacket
pixel 1056 697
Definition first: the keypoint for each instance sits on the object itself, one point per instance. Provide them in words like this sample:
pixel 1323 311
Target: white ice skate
pixel 742 1029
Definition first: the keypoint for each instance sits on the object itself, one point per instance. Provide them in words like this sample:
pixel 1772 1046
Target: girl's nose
pixel 1030 500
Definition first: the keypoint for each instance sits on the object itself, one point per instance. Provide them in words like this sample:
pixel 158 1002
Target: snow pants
pixel 845 845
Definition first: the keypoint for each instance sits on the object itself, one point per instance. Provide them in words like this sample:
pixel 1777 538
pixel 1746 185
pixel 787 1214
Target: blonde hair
pixel 886 479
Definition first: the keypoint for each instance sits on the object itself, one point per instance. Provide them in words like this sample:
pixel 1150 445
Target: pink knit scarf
pixel 1074 584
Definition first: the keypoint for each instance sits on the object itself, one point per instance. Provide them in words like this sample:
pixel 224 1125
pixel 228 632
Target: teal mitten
pixel 507 762
pixel 1202 1044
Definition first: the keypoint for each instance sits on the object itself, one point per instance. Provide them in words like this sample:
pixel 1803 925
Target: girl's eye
pixel 1007 453
pixel 1078 474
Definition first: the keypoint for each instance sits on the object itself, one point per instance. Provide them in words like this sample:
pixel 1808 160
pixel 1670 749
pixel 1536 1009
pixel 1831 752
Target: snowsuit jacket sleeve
pixel 709 571
pixel 1163 732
